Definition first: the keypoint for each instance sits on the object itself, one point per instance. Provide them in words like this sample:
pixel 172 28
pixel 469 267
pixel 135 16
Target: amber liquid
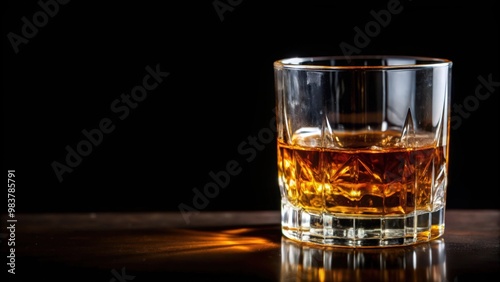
pixel 389 176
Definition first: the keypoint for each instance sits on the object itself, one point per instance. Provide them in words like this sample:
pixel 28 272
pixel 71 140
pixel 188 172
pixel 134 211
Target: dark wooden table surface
pixel 234 246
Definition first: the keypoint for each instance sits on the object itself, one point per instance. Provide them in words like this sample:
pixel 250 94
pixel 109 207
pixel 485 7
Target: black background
pixel 219 92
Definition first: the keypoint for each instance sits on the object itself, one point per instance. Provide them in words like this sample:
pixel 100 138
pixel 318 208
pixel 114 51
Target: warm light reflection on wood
pixel 191 241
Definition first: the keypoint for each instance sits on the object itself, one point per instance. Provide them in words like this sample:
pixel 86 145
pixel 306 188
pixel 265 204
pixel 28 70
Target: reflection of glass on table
pixel 421 262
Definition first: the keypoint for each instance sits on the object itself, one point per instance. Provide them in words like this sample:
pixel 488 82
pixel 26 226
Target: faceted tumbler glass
pixel 363 148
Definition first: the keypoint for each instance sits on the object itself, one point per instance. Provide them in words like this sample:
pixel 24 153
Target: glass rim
pixel 311 62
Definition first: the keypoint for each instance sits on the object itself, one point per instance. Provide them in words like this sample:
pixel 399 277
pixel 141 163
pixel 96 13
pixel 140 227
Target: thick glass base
pixel 341 230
